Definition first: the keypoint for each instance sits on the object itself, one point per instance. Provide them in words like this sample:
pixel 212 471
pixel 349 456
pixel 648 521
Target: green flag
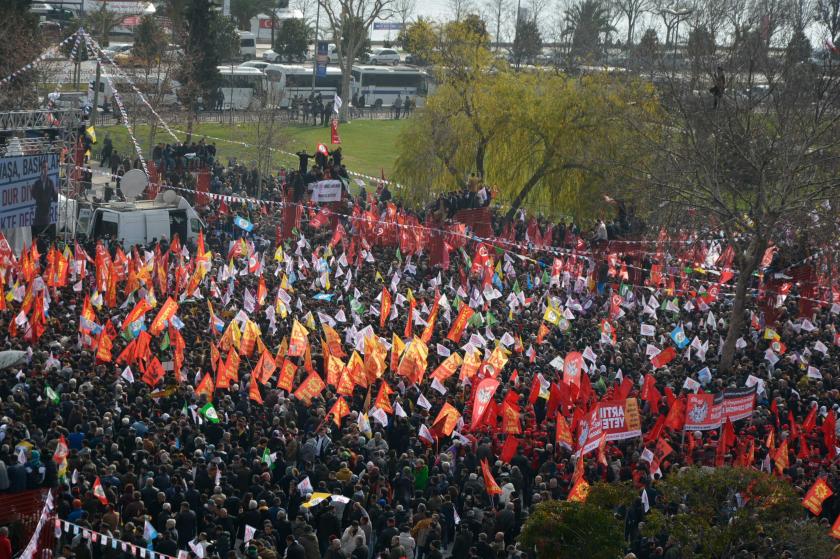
pixel 491 320
pixel 268 459
pixel 209 413
pixel 516 288
pixel 52 395
pixel 399 255
pixel 164 343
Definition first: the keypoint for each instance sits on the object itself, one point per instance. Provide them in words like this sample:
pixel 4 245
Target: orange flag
pixel 446 419
pixel 579 491
pixel 338 410
pixel 205 386
pixel 835 529
pixel 489 483
pixel 564 434
pixel 383 401
pixel 299 341
pixel 460 323
pixel 310 388
pixel 287 376
pixel 254 391
pixel 430 322
pixel 815 496
pixel 781 457
pixel 448 367
pixel 166 312
pixel 103 348
pixel 397 347
pixel 384 307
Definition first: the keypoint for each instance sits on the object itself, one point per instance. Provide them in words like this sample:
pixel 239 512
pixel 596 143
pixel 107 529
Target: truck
pixel 136 222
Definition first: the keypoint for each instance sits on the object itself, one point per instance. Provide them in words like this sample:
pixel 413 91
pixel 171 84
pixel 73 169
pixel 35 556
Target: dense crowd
pixel 365 467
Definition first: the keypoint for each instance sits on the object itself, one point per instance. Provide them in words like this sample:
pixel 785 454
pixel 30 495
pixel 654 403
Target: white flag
pixel 337 102
pixel 249 533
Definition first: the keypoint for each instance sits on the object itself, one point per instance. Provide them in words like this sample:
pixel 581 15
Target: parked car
pixel 270 56
pixel 384 56
pixel 258 64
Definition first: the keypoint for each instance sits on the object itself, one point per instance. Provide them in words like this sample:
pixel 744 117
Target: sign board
pixel 28 190
pixel 326 191
pixel 617 419
pixel 322 58
pixel 387 26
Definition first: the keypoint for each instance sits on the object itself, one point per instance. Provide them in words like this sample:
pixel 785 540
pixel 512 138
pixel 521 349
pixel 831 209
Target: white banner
pixel 326 191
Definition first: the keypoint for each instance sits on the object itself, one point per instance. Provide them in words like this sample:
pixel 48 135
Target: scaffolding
pixel 42 131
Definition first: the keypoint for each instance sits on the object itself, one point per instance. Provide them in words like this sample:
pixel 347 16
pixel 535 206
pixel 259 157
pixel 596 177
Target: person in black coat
pixel 294 550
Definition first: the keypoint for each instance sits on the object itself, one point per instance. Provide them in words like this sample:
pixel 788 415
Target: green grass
pixel 367 145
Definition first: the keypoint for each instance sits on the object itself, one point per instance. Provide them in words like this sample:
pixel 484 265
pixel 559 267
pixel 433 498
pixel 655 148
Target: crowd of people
pixel 196 445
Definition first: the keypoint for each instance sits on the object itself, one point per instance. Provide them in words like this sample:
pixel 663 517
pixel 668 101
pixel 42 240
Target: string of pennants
pixel 43 56
pixel 109 541
pixel 120 105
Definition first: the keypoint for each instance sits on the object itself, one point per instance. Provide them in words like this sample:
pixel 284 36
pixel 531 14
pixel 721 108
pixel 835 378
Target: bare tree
pixel 751 164
pixel 672 13
pixel 307 9
pixel 404 10
pixel 828 16
pixel 631 10
pixel 495 13
pixel 350 21
pixel 459 9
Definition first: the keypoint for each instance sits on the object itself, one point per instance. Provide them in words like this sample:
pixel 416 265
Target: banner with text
pixel 28 190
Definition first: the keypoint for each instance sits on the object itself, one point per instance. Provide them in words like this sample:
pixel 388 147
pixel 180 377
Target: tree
pixel 527 43
pixel 308 10
pixel 244 10
pixel 350 21
pixel 715 523
pixel 459 8
pixel 752 163
pixel 672 14
pixel 700 49
pixel 496 10
pixel 150 42
pixel 544 139
pixel 99 23
pixel 648 50
pixel 828 16
pixel 419 39
pixel 564 529
pixel 631 10
pixel 209 38
pixel 293 38
pixel 588 21
pixel 404 9
pixel 22 43
pixel 798 49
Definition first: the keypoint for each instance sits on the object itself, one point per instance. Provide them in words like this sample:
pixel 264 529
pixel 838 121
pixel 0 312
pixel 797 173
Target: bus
pixel 242 87
pixel 381 85
pixel 286 81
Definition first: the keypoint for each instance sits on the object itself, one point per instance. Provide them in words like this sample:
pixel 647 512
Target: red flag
pixel 483 394
pixel 810 420
pixel 579 491
pixel 460 323
pixel 663 357
pixel 99 491
pixel 662 450
pixel 564 434
pixel 676 415
pixel 489 483
pixel 384 307
pixel 509 449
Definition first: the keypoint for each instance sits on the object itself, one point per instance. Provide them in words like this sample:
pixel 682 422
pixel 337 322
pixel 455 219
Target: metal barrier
pixel 20 512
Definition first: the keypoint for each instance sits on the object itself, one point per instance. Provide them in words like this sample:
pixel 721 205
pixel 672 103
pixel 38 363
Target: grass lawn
pixel 367 145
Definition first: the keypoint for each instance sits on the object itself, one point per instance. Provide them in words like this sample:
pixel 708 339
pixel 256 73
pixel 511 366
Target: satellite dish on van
pixel 169 196
pixel 133 184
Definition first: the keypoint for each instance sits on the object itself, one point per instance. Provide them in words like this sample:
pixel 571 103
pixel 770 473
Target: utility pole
pixel 315 57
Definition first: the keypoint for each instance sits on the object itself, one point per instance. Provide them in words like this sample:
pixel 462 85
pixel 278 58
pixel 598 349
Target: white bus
pixel 286 81
pixel 242 87
pixel 381 85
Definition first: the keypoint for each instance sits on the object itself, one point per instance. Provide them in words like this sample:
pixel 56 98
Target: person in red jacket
pixel 5 544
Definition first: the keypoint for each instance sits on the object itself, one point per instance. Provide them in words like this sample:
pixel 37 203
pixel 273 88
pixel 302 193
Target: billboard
pixel 322 58
pixel 387 26
pixel 28 191
pixel 617 419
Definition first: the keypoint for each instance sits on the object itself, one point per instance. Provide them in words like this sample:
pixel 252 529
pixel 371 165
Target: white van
pixel 247 45
pixel 137 222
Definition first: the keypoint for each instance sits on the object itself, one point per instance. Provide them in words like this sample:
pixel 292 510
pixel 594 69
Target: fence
pixel 20 512
pixel 179 119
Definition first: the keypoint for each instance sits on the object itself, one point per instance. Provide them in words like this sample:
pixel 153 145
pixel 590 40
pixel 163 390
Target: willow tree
pixel 544 141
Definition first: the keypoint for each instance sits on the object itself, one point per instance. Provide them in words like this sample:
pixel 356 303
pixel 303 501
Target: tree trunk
pixel 526 189
pixel 480 152
pixel 346 69
pixel 736 318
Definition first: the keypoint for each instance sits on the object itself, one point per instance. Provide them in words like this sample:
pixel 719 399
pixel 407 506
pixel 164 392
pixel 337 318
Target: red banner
pixel 815 496
pixel 202 186
pixel 703 412
pixel 738 403
pixel 618 419
pixel 334 139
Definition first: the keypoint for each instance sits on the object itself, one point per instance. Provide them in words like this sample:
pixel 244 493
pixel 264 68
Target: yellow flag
pixel 552 315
